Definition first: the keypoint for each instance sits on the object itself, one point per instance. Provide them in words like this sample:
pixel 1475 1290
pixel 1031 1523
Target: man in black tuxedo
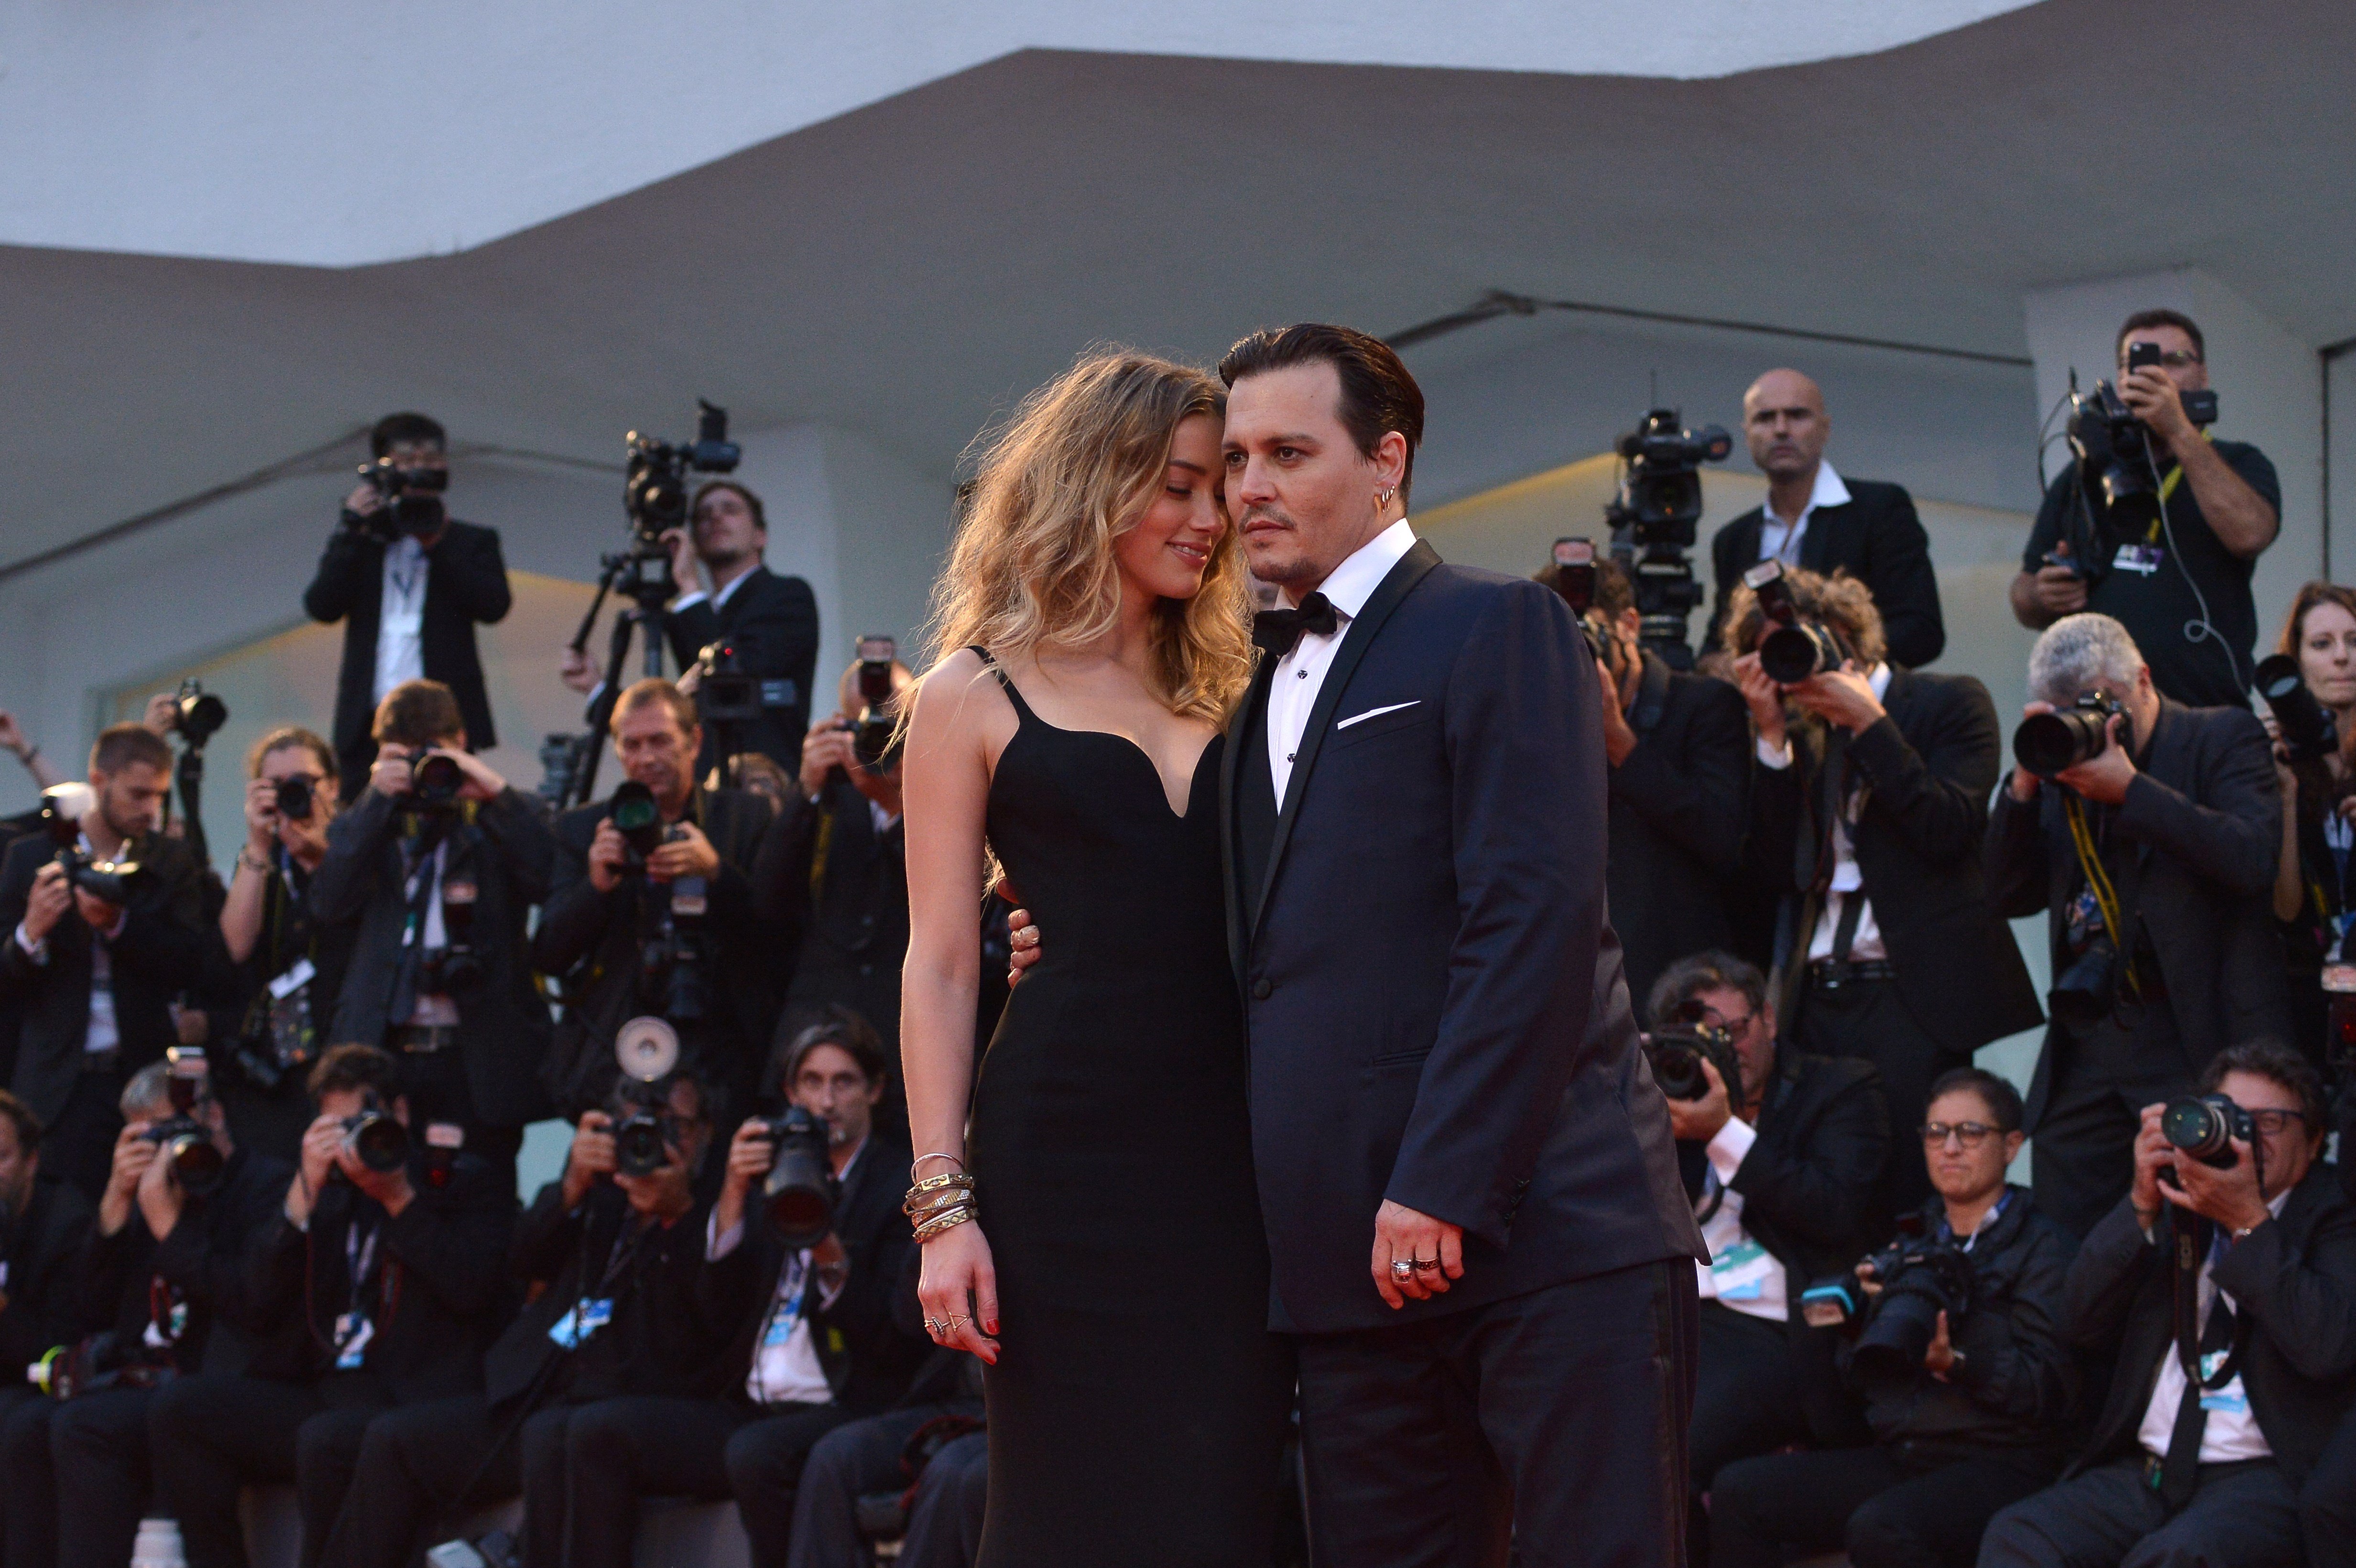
pixel 1467 1177
pixel 1867 814
pixel 92 981
pixel 606 903
pixel 1815 518
pixel 409 584
pixel 2183 815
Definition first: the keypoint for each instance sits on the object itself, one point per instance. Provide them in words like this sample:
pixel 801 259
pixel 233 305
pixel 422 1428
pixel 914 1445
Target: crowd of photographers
pixel 259 1220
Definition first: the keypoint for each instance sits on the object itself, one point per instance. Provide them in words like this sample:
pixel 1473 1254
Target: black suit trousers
pixel 1887 1507
pixel 2327 1503
pixel 28 1501
pixel 1747 1399
pixel 762 1466
pixel 1869 1019
pixel 1553 1423
pixel 97 1447
pixel 2241 1516
pixel 2082 1153
pixel 212 1434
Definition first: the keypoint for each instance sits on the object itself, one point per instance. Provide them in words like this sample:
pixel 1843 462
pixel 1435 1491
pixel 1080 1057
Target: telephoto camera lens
pixel 2309 730
pixel 2205 1125
pixel 636 818
pixel 196 1161
pixel 379 1141
pixel 1917 1287
pixel 639 1145
pixel 434 783
pixel 800 1188
pixel 1790 654
pixel 2051 743
pixel 196 713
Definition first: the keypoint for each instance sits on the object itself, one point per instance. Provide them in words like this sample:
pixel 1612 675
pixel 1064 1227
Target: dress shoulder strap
pixel 1022 708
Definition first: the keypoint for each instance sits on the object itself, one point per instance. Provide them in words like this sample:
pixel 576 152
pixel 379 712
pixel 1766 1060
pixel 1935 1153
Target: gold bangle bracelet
pixel 948 1222
pixel 936 1183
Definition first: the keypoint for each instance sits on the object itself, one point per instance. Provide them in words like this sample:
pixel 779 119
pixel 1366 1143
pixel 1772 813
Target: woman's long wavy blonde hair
pixel 1032 568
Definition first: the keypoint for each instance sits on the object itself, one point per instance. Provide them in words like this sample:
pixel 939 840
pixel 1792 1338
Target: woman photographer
pixel 2312 886
pixel 1981 1422
pixel 285 968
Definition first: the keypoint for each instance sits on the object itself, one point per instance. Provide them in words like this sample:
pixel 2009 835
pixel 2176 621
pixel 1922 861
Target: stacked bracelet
pixel 940 1203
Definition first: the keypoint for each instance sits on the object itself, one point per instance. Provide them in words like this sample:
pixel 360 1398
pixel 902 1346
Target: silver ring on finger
pixel 1402 1268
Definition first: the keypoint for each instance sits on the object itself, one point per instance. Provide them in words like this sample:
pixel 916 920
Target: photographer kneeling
pixel 1968 1386
pixel 2230 1264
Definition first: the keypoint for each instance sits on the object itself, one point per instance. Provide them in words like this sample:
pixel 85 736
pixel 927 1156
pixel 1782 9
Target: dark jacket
pixel 466 581
pixel 1679 803
pixel 2203 817
pixel 1878 539
pixel 867 1356
pixel 1462 1041
pixel 43 1248
pixel 159 952
pixel 658 1341
pixel 2293 1277
pixel 436 1294
pixel 130 1280
pixel 851 909
pixel 772 623
pixel 593 941
pixel 1927 766
pixel 503 1027
pixel 2019 1385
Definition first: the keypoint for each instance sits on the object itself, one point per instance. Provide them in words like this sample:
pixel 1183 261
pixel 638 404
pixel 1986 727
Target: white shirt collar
pixel 1829 492
pixel 745 576
pixel 1878 679
pixel 1349 585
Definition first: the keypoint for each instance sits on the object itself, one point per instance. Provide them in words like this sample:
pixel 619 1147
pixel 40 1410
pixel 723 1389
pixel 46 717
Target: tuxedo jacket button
pixel 1260 989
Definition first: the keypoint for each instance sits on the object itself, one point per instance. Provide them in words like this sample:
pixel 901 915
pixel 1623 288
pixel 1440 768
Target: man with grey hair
pixel 2148 834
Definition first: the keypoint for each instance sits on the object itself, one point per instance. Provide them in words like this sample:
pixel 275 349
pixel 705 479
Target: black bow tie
pixel 1279 630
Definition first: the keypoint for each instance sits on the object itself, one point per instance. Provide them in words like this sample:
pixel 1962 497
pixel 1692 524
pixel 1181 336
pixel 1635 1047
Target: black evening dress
pixel 1137 1411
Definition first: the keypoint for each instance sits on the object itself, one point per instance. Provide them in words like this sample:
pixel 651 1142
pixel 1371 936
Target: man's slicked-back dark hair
pixel 1377 394
pixel 405 429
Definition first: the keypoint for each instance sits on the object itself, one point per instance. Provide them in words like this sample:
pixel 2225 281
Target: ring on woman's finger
pixel 1423 1265
pixel 1402 1268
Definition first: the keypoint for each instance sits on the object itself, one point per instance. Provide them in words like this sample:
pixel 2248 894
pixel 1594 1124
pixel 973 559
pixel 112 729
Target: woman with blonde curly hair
pixel 1085 1201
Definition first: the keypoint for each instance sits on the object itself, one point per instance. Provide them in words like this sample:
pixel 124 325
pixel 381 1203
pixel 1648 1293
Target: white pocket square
pixel 1374 713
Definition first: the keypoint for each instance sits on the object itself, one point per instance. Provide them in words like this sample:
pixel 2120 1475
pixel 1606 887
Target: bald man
pixel 1815 519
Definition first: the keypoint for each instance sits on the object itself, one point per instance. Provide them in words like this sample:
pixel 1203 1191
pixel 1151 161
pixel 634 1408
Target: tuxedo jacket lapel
pixel 1828 536
pixel 1239 741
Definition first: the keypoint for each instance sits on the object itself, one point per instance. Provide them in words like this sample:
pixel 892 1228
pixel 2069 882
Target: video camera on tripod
pixel 1653 523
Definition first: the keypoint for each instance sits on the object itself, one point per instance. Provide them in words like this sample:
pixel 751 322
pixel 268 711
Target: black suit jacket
pixel 1678 803
pixel 772 622
pixel 503 1027
pixel 2294 1278
pixel 851 911
pixel 1877 538
pixel 1928 765
pixel 160 952
pixel 44 1246
pixel 2205 816
pixel 466 581
pixel 1435 1005
pixel 201 1264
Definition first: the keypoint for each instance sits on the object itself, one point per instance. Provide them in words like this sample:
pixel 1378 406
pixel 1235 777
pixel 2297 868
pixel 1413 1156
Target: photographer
pixel 437 867
pixel 610 1252
pixel 1968 1386
pixel 95 979
pixel 44 1227
pixel 1815 519
pixel 617 925
pixel 1784 1191
pixel 771 621
pixel 2181 586
pixel 2242 1278
pixel 163 1284
pixel 287 967
pixel 2153 860
pixel 1868 815
pixel 1679 753
pixel 2314 895
pixel 380 1280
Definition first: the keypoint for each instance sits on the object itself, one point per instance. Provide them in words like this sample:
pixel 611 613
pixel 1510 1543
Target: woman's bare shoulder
pixel 946 701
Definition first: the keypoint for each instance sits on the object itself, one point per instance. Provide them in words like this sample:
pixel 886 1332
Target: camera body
pixel 672 948
pixel 2051 743
pixel 62 809
pixel 726 694
pixel 2309 733
pixel 1794 647
pixel 655 490
pixel 2205 1125
pixel 412 500
pixel 293 798
pixel 376 1138
pixel 800 1192
pixel 1921 1276
pixel 1574 579
pixel 2118 467
pixel 1653 521
pixel 1676 1052
pixel 434 783
pixel 196 714
pixel 641 1113
pixel 196 1162
pixel 871 736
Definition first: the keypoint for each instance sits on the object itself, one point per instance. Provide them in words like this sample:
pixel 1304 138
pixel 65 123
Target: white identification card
pixel 353 1333
pixel 287 983
pixel 2143 559
pixel 1739 1273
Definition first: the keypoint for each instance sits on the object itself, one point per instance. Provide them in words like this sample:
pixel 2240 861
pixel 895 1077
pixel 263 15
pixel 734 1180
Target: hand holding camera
pixel 680 543
pixel 685 852
pixel 432 778
pixel 1700 1120
pixel 1763 697
pixel 2151 395
pixel 1841 696
pixel 2084 746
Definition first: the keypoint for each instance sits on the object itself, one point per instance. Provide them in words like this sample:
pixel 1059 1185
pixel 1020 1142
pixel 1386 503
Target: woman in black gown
pixel 1117 1278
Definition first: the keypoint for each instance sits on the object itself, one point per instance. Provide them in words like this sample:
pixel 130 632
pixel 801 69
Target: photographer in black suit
pixel 95 980
pixel 2242 1279
pixel 1679 752
pixel 689 894
pixel 1815 518
pixel 2154 862
pixel 1867 813
pixel 409 584
pixel 1784 1191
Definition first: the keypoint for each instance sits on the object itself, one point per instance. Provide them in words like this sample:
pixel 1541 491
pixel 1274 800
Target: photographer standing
pixel 1868 815
pixel 438 865
pixel 96 979
pixel 409 584
pixel 2181 588
pixel 1969 1388
pixel 2314 893
pixel 2154 862
pixel 2241 1280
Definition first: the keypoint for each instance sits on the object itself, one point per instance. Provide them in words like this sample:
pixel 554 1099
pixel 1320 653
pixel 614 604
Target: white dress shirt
pixel 719 599
pixel 2230 1433
pixel 786 1368
pixel 1741 1275
pixel 1301 673
pixel 1780 540
pixel 1847 878
pixel 400 617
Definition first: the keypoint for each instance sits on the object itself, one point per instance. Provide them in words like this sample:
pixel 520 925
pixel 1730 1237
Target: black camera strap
pixel 2223 1337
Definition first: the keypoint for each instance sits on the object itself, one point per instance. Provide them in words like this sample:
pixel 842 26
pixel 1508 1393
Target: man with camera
pixel 1781 1158
pixel 438 865
pixel 105 924
pixel 1679 754
pixel 2156 524
pixel 380 1279
pixel 610 1252
pixel 163 1277
pixel 1954 1343
pixel 2148 834
pixel 2226 1278
pixel 1867 815
pixel 410 584
pixel 1816 519
pixel 650 909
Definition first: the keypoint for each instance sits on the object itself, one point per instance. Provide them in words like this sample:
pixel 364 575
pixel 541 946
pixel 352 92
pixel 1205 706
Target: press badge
pixel 353 1333
pixel 2142 559
pixel 581 1320
pixel 1739 1273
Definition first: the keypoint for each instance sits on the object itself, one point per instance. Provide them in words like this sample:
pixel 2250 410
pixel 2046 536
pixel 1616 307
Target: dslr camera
pixel 670 936
pixel 1794 647
pixel 453 968
pixel 196 714
pixel 412 496
pixel 1653 520
pixel 1920 1277
pixel 62 809
pixel 800 1192
pixel 1677 1050
pixel 1574 579
pixel 196 1161
pixel 2309 733
pixel 376 1138
pixel 2118 467
pixel 726 694
pixel 647 1051
pixel 2205 1125
pixel 871 734
pixel 2051 743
